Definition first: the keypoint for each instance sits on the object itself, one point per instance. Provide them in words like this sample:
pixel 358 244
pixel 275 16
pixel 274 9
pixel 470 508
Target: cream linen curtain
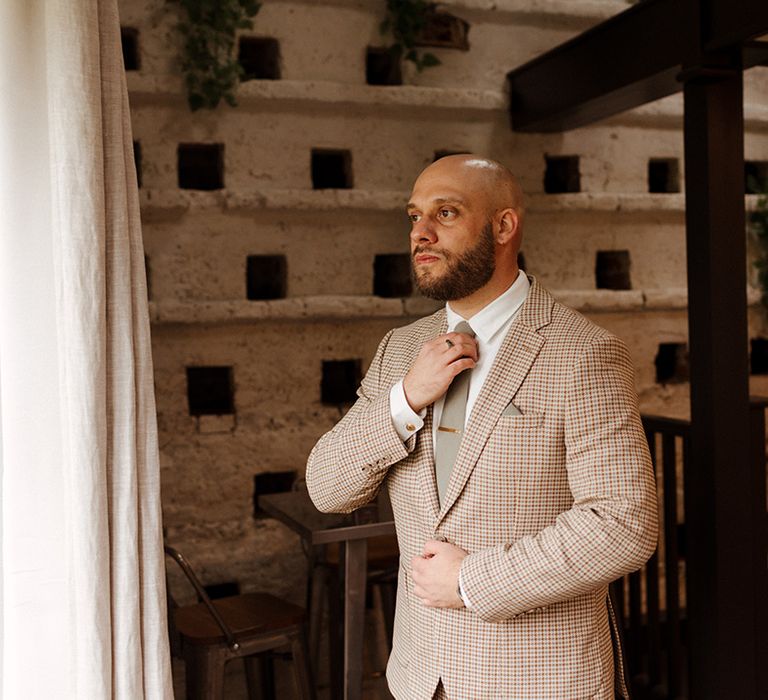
pixel 82 594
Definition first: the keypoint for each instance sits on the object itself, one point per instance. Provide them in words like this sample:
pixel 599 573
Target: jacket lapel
pixel 512 364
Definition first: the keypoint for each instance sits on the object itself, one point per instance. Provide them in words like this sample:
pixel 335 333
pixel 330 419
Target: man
pixel 514 456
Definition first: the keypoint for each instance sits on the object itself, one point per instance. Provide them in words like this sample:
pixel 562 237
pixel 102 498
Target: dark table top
pixel 296 510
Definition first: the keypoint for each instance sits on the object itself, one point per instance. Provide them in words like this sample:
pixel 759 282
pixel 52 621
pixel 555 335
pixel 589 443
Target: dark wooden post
pixel 719 523
pixel 758 495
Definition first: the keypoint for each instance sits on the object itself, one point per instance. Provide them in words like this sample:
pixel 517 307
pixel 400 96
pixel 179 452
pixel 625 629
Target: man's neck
pixel 496 286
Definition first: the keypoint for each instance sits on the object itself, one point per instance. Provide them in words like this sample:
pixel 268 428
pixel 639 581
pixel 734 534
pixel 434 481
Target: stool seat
pixel 245 614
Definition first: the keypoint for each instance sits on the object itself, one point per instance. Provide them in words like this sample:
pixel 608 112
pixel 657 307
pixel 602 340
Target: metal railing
pixel 652 600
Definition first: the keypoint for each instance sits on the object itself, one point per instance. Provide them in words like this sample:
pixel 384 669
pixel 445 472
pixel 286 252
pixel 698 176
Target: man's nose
pixel 422 231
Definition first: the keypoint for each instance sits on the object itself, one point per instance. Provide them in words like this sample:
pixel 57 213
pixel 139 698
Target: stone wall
pixel 198 242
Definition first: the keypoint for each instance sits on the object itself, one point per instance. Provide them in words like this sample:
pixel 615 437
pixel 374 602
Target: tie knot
pixel 464 327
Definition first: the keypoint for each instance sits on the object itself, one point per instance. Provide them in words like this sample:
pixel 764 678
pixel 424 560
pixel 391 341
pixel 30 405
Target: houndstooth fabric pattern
pixel 551 505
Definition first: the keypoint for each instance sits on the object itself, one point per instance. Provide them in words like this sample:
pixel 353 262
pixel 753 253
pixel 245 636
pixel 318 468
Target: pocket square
pixel 511 410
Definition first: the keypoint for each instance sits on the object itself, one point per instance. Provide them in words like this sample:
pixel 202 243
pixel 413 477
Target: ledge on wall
pixel 178 202
pixel 170 203
pixel 586 202
pixel 566 13
pixel 667 113
pixel 310 308
pixel 148 89
pixel 355 308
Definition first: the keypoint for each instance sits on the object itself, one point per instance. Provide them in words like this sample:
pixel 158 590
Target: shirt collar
pixel 492 317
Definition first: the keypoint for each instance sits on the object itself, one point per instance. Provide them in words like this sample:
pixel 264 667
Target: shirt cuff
pixel 463 593
pixel 405 420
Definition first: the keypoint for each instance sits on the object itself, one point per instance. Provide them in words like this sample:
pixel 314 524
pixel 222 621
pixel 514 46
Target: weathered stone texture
pixel 197 242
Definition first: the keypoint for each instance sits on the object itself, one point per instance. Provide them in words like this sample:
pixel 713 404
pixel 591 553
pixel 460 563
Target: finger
pixel 461 350
pixel 416 563
pixel 469 349
pixel 460 365
pixel 457 338
pixel 450 339
pixel 433 547
pixel 446 341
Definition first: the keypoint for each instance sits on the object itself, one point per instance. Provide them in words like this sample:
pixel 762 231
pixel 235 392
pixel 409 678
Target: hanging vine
pixel 211 72
pixel 405 21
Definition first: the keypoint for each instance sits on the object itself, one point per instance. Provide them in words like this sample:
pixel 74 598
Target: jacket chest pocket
pixel 513 434
pixel 521 450
pixel 511 447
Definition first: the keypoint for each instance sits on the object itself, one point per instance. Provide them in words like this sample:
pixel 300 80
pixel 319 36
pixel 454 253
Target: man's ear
pixel 508 226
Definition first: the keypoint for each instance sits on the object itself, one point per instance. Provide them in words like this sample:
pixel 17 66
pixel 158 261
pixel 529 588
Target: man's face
pixel 462 273
pixel 452 245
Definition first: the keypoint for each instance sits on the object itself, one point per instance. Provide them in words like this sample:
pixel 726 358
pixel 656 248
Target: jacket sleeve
pixel 348 464
pixel 611 528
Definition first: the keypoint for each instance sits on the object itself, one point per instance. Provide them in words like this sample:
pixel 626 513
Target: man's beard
pixel 465 273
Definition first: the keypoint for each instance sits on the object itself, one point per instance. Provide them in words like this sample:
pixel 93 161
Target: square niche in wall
pixel 129 38
pixel 758 356
pixel 443 30
pixel 266 277
pixel 210 391
pixel 201 166
pixel 392 275
pixel 340 379
pixel 266 483
pixel 443 153
pixel 612 269
pixel 382 66
pixel 137 161
pixel 562 174
pixel 664 175
pixel 148 276
pixel 672 363
pixel 224 589
pixel 331 169
pixel 756 176
pixel 259 58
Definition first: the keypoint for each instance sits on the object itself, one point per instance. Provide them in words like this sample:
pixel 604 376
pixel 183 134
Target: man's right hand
pixel 436 366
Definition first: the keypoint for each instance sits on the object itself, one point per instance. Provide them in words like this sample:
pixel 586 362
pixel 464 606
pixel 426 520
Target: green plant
pixel 405 20
pixel 757 220
pixel 211 73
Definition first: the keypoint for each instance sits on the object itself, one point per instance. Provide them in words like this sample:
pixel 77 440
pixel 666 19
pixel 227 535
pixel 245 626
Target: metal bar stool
pixel 242 626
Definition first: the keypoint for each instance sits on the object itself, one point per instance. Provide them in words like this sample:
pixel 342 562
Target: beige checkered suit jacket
pixel 551 505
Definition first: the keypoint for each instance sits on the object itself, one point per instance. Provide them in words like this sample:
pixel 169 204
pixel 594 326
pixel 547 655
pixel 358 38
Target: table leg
pixel 355 563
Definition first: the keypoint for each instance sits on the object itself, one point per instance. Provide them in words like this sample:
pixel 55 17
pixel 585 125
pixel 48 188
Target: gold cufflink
pixel 410 427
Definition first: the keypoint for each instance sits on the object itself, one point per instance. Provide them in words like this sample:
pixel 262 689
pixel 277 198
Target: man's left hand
pixel 436 575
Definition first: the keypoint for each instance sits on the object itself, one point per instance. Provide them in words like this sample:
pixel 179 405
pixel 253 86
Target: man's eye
pixel 445 213
pixel 413 218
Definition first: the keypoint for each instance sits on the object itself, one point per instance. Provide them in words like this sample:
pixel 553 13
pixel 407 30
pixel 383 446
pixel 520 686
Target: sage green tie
pixel 451 426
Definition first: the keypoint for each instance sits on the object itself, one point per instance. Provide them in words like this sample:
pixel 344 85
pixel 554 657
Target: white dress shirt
pixel 490 325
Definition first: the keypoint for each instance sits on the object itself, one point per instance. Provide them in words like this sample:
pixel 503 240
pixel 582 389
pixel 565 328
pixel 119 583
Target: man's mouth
pixel 425 257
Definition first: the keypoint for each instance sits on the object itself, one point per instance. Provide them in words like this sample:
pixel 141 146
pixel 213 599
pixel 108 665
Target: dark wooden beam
pixel 722 638
pixel 755 53
pixel 633 58
pixel 628 60
pixel 732 22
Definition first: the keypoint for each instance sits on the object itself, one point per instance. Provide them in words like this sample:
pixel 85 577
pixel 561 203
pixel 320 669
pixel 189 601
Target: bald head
pixel 466 213
pixel 488 180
